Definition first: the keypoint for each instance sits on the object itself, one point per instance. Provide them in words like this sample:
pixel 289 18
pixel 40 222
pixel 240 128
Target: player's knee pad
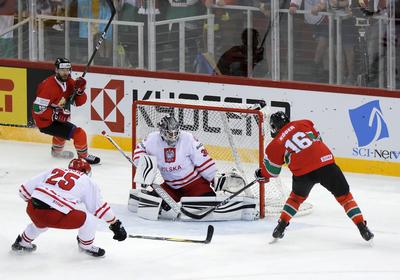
pixel 79 136
pixel 88 229
pixel 297 198
pixel 344 199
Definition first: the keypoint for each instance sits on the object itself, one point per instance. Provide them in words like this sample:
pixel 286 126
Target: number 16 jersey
pixel 300 146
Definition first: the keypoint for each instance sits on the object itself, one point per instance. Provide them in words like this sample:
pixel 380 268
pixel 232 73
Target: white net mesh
pixel 231 133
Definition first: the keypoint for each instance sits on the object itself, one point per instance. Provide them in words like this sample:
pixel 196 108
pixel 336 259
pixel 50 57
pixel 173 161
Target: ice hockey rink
pixel 322 245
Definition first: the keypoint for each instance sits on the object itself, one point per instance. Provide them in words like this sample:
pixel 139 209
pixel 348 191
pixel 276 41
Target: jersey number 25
pixel 64 180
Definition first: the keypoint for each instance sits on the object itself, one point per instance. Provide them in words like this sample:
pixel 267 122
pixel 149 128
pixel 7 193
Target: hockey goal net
pixel 232 134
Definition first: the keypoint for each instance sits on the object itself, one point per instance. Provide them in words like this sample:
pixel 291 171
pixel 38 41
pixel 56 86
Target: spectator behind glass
pixel 234 61
pixel 7 10
pixel 95 9
pixel 133 11
pixel 168 35
pixel 53 30
pixel 229 24
pixel 320 33
pixel 342 10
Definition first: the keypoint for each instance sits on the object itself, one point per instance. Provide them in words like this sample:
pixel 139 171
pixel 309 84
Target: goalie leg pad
pixel 239 208
pixel 133 201
pixel 148 206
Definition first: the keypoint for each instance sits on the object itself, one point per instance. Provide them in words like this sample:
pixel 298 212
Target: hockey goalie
pixel 188 174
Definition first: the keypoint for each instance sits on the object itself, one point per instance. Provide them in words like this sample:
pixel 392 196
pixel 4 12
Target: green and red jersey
pixel 298 145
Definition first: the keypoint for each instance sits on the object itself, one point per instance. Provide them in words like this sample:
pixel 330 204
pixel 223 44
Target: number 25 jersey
pixel 64 190
pixel 300 146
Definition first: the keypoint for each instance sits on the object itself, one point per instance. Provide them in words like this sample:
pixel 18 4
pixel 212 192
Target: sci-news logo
pixel 369 126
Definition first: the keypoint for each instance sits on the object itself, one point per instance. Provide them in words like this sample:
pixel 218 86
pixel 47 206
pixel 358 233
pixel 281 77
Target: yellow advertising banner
pixel 13 96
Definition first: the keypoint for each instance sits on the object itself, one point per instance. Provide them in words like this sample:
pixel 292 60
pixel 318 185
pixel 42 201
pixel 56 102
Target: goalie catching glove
pixel 118 230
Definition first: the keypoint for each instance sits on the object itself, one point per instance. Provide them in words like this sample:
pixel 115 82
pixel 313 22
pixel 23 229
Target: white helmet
pixel 169 129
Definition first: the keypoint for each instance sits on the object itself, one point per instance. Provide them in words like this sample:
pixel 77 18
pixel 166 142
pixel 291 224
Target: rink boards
pixel 360 125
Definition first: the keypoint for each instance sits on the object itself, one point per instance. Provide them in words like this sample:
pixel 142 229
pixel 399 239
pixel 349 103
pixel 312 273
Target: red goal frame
pixel 205 107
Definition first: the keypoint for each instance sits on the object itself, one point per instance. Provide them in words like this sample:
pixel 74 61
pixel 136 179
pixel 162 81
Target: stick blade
pixel 210 234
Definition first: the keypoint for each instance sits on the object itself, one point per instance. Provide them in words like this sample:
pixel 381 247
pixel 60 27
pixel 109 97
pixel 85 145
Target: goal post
pixel 233 135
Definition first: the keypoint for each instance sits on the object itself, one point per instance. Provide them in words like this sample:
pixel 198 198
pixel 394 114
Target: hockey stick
pixel 71 99
pixel 157 188
pixel 210 233
pixel 200 216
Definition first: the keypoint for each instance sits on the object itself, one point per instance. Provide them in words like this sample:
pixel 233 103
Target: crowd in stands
pixel 231 39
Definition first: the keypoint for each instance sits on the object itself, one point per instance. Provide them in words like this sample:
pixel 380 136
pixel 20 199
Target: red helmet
pixel 81 165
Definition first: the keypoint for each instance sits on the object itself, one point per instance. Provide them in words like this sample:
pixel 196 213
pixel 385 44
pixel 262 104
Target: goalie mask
pixel 63 69
pixel 81 165
pixel 277 121
pixel 169 130
pixel 229 182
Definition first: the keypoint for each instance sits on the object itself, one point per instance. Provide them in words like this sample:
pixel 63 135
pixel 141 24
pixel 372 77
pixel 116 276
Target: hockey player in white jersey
pixel 188 174
pixel 183 162
pixel 54 200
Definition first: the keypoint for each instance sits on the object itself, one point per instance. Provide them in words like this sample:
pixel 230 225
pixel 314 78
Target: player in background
pixel 183 162
pixel 298 144
pixel 51 117
pixel 53 201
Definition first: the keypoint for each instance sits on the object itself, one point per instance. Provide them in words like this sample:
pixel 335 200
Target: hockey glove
pixel 259 176
pixel 61 115
pixel 118 230
pixel 80 85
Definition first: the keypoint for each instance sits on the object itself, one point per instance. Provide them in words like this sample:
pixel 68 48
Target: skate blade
pixel 273 240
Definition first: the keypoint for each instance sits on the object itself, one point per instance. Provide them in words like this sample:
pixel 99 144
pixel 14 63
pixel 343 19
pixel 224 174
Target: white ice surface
pixel 323 245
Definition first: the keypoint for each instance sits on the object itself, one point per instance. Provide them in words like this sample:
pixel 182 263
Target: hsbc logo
pixel 104 105
pixel 7 99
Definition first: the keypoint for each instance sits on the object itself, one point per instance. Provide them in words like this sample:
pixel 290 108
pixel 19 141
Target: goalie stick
pixel 199 216
pixel 210 233
pixel 157 188
pixel 71 99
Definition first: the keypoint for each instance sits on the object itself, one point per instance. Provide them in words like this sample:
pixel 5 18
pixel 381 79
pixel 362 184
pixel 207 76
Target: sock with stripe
pixel 351 208
pixel 291 207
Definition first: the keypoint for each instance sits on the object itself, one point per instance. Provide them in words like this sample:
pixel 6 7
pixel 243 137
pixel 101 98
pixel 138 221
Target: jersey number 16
pixel 299 141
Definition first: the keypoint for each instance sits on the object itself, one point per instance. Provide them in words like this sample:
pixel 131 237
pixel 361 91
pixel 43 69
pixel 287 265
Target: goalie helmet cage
pixel 232 134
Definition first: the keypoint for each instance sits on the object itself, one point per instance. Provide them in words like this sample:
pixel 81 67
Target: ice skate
pixel 62 154
pixel 279 231
pixel 92 251
pixel 91 159
pixel 366 234
pixel 17 246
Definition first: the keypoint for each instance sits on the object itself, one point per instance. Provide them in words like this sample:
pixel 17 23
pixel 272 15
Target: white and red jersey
pixel 180 165
pixel 64 190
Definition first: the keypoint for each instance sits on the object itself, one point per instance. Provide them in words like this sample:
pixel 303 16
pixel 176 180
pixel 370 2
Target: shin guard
pixel 291 207
pixel 351 208
pixel 80 142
